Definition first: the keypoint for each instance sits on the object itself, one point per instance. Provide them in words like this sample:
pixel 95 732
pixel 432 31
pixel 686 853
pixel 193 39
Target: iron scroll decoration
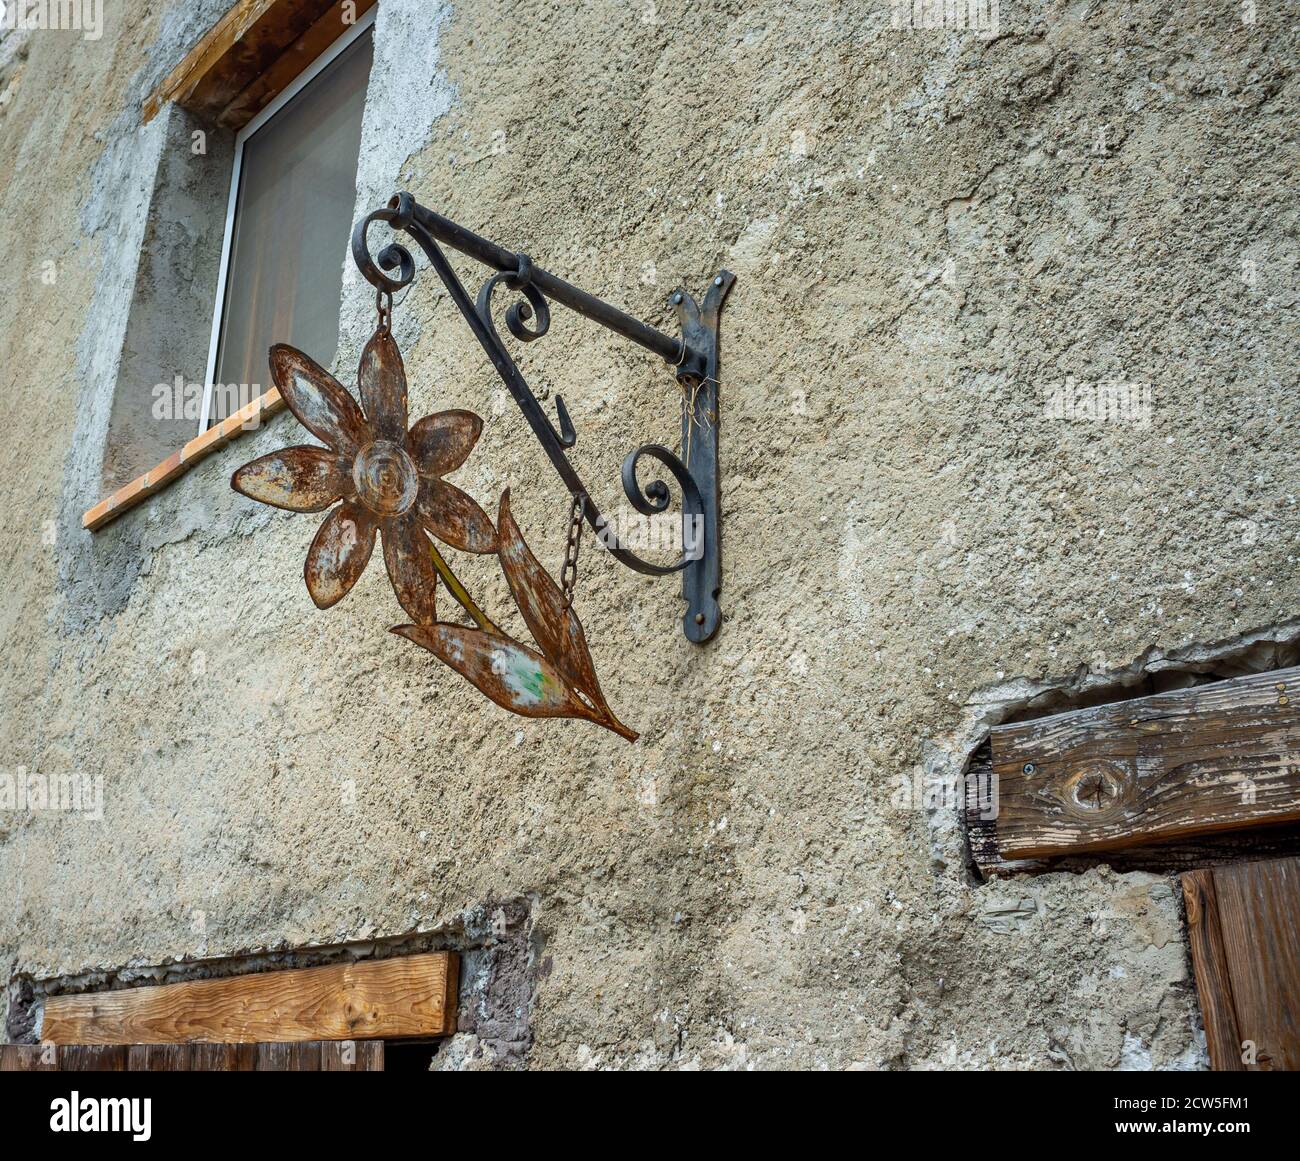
pixel 694 357
pixel 390 479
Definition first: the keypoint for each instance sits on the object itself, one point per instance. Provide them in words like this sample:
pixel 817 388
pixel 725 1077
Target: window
pixel 293 192
pixel 244 229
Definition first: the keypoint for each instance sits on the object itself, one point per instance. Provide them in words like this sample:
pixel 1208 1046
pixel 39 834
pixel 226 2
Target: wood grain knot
pixel 1095 790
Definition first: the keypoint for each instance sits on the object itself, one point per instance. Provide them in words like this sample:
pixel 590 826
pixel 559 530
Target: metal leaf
pixel 511 674
pixel 382 382
pixel 300 479
pixel 556 629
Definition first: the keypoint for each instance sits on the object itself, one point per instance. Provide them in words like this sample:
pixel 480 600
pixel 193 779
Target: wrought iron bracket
pixel 693 357
pixel 702 583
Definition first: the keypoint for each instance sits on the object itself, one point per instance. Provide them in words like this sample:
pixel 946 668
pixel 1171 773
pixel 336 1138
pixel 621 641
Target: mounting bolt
pixel 718 281
pixel 1030 768
pixel 699 618
pixel 677 299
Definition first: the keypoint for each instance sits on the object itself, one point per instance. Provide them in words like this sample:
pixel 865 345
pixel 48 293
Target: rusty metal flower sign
pixel 390 480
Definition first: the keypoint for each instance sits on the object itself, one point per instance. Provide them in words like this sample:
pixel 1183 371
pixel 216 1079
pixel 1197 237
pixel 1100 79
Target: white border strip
pixel 300 82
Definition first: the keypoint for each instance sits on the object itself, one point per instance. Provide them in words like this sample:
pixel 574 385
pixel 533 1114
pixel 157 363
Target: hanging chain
pixel 569 575
pixel 384 309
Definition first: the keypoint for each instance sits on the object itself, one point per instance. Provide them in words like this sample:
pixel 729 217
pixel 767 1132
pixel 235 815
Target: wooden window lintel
pixel 1170 781
pixel 251 55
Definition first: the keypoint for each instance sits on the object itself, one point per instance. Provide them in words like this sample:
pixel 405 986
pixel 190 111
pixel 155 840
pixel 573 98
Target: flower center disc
pixel 385 478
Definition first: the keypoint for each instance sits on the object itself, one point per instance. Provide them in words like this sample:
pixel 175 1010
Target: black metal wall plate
pixel 701 415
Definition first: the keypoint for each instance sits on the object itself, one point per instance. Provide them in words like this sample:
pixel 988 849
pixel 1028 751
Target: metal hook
pixel 567 435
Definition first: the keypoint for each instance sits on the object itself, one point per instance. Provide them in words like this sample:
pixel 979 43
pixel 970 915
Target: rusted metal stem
pixel 458 590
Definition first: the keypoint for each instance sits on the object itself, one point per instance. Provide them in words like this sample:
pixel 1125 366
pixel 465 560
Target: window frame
pixel 257 51
pixel 305 78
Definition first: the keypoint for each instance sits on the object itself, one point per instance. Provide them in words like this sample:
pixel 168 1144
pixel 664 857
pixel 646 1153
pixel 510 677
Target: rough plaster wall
pixel 107 191
pixel 906 528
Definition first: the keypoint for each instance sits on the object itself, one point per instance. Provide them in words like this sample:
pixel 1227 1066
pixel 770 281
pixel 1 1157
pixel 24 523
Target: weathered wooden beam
pixel 205 58
pixel 1243 923
pixel 372 999
pixel 1191 762
pixel 1210 967
pixel 1168 857
pixel 260 90
pixel 251 55
pixel 28 1058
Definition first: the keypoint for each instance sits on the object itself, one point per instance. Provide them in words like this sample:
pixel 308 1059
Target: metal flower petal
pixel 410 567
pixel 381 379
pixel 440 443
pixel 299 479
pixel 455 518
pixel 318 400
pixel 339 554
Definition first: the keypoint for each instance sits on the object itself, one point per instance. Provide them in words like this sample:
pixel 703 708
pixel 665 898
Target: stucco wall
pixel 929 235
